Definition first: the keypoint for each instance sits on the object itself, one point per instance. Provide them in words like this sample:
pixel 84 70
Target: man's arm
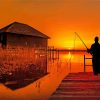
pixel 88 50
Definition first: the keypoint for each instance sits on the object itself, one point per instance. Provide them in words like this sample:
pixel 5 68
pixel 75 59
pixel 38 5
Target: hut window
pixel 3 39
pixel 0 38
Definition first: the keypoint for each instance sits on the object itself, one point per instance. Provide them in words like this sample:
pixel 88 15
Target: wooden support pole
pixel 53 53
pixel 84 65
pixel 58 53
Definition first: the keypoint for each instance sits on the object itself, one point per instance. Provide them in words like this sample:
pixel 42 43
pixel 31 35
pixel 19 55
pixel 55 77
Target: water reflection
pixel 69 55
pixel 44 87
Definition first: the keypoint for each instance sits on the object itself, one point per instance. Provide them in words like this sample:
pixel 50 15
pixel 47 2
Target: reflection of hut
pixel 23 46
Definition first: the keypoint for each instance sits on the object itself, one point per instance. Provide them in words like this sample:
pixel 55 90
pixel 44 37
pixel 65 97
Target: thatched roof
pixel 20 28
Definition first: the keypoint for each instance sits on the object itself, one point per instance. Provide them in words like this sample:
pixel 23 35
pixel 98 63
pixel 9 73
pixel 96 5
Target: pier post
pixel 58 54
pixel 53 53
pixel 84 65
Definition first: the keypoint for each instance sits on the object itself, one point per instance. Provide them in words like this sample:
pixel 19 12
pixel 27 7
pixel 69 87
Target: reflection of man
pixel 95 51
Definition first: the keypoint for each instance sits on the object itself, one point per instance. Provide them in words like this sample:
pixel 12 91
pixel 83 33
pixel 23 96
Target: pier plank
pixel 78 86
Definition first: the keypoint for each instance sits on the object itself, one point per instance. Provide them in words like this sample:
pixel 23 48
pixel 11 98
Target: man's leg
pixel 95 67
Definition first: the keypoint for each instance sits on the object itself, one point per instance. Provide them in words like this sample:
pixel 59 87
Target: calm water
pixel 44 87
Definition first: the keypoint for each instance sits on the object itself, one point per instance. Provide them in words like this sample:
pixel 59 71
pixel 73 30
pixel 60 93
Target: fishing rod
pixel 81 40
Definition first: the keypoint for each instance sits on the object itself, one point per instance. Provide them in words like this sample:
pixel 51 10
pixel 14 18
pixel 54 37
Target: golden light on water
pixel 68 56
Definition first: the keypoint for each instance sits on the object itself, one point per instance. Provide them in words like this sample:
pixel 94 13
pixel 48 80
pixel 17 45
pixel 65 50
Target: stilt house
pixel 23 47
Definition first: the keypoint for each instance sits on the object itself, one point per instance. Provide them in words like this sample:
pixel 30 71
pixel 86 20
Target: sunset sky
pixel 58 19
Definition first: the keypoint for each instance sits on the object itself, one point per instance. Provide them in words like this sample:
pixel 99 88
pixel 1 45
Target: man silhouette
pixel 95 52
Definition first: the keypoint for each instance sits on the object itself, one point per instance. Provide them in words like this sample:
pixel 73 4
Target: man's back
pixel 95 50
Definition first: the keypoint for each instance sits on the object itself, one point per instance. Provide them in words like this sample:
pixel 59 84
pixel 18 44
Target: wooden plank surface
pixel 78 86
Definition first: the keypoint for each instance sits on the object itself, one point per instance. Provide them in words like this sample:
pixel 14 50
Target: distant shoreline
pixel 74 50
pixel 67 50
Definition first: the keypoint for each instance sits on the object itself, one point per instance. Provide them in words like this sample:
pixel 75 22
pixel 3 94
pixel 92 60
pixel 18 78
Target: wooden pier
pixel 78 86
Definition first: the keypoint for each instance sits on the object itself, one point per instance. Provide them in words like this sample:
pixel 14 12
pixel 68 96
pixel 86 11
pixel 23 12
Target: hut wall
pixel 25 52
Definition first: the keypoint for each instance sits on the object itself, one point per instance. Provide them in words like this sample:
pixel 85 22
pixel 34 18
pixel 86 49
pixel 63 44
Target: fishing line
pixel 74 41
pixel 73 51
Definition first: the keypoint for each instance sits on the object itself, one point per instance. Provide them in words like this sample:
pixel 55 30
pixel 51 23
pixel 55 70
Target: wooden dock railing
pixel 85 58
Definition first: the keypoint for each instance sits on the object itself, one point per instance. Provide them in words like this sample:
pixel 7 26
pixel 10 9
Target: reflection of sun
pixel 68 56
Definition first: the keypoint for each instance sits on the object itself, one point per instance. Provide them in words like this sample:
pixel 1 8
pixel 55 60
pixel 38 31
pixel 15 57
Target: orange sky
pixel 59 19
